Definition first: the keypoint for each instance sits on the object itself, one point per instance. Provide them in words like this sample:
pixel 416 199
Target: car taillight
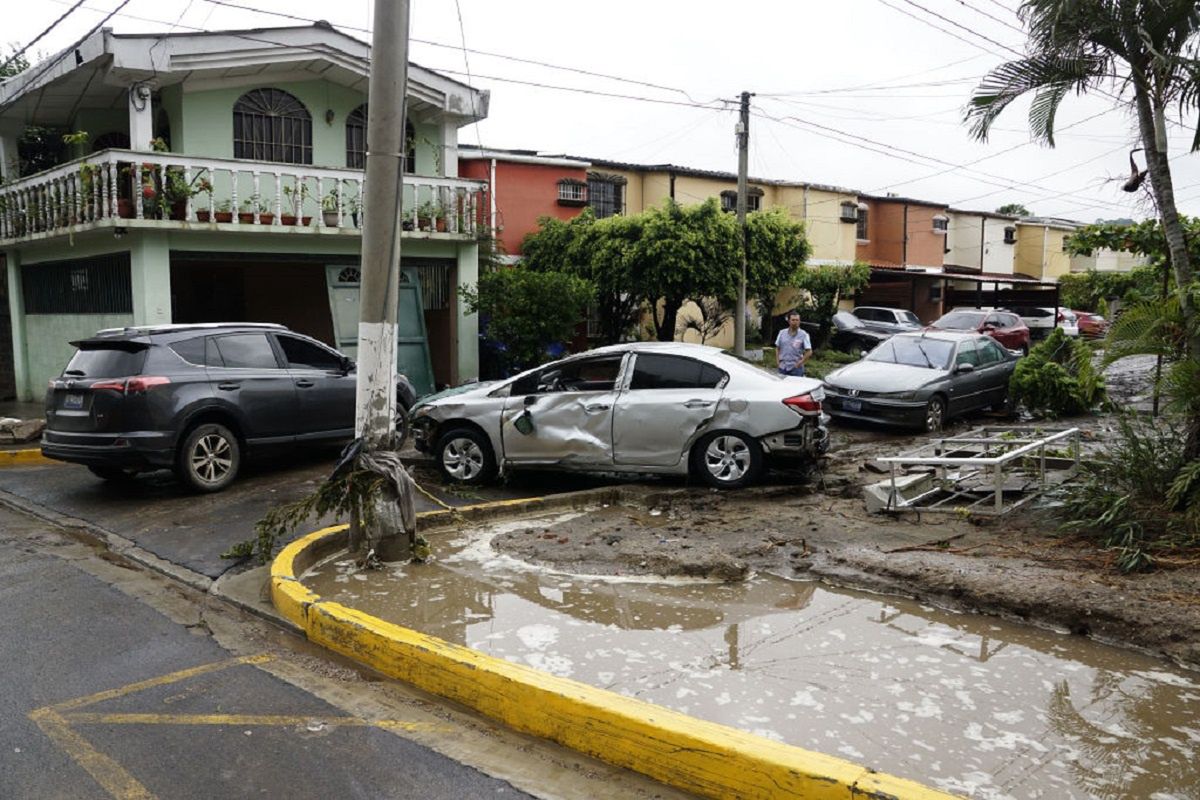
pixel 141 383
pixel 803 404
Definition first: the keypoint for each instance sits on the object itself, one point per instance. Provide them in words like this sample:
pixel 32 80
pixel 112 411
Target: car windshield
pixel 908 316
pixel 961 320
pixel 914 351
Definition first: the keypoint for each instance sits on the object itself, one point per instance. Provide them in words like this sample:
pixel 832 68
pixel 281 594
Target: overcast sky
pixel 866 94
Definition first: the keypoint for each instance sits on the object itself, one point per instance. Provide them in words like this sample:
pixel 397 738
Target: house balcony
pixel 167 191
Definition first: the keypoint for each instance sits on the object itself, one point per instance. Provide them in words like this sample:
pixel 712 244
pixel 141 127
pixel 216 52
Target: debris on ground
pixel 19 431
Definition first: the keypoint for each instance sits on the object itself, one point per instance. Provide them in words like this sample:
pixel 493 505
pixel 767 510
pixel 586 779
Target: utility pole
pixel 743 140
pixel 382 206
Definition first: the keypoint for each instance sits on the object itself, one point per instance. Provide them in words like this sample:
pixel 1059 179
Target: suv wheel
pixel 209 459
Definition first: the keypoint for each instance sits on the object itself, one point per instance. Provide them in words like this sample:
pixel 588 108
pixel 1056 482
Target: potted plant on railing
pixel 431 216
pixel 297 195
pixel 249 207
pixel 329 208
pixel 205 187
pixel 224 211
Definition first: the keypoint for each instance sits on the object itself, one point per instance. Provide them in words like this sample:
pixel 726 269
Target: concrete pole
pixel 743 134
pixel 382 207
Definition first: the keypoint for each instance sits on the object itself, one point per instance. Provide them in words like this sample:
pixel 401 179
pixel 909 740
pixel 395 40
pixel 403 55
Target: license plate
pixel 73 401
pixel 852 405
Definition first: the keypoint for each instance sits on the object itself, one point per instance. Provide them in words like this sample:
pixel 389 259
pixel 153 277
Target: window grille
pixel 356 141
pixel 941 224
pixel 572 192
pixel 272 125
pixel 606 195
pixel 99 285
pixel 861 228
pixel 754 197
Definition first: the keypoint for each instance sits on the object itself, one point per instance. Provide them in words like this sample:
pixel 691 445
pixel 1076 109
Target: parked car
pixel 647 407
pixel 889 320
pixel 1043 319
pixel 849 334
pixel 198 399
pixel 1092 326
pixel 922 380
pixel 1003 326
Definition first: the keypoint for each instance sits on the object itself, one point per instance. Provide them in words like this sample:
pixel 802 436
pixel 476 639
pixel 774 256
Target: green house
pixel 221 180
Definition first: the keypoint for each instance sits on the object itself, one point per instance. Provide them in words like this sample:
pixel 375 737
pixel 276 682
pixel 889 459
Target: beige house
pixel 829 214
pixel 1041 250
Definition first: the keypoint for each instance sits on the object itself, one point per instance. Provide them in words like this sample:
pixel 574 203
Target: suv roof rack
pixel 185 326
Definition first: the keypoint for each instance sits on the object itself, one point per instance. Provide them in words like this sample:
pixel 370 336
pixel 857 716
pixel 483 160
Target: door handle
pixel 698 404
pixel 228 386
pixel 304 383
pixel 596 408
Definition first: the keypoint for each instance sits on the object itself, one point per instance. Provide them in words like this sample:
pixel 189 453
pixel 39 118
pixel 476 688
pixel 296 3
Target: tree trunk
pixel 665 330
pixel 1173 231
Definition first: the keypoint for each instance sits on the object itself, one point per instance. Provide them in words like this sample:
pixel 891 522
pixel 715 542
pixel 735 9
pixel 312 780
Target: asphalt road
pixel 103 696
pixel 192 530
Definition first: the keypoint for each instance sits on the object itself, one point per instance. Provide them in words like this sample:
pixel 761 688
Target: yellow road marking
pixel 274 720
pixel 10 458
pixel 111 776
pixel 161 680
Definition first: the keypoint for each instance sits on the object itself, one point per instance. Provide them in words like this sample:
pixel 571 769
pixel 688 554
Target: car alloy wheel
pixel 463 459
pixel 465 456
pixel 210 458
pixel 935 414
pixel 726 459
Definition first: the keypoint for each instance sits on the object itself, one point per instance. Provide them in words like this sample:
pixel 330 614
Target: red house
pixel 524 188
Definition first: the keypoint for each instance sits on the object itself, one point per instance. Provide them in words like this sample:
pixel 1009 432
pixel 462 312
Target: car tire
pixel 935 414
pixel 727 459
pixel 209 458
pixel 464 455
pixel 403 424
pixel 113 474
pixel 1005 405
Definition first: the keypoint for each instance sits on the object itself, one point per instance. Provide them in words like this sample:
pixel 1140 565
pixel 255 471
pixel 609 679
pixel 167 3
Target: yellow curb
pixel 20 458
pixel 697 756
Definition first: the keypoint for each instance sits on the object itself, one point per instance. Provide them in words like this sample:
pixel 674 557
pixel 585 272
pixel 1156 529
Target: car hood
pixel 467 388
pixel 878 376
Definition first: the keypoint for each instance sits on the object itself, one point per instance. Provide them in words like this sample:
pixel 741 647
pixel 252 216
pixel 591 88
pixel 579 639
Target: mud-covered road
pixel 1018 566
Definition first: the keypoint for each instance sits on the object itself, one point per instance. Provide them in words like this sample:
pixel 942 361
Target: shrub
pixel 528 314
pixel 1139 496
pixel 1057 378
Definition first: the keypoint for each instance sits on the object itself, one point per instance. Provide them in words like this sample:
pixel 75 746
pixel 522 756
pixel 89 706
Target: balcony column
pixel 466 328
pixel 449 150
pixel 16 314
pixel 141 117
pixel 150 276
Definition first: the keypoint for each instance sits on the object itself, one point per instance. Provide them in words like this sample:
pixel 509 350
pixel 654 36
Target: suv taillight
pixel 135 385
pixel 803 404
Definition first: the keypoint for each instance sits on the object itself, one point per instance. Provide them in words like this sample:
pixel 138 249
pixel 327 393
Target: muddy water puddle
pixel 965 703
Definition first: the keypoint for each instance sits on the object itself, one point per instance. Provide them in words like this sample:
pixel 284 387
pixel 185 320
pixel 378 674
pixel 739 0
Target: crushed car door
pixel 669 399
pixel 562 414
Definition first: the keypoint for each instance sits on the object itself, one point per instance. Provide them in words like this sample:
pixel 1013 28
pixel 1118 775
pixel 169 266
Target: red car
pixel 1003 326
pixel 1092 325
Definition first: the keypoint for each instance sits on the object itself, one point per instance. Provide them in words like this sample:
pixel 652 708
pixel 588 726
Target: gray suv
pixel 198 399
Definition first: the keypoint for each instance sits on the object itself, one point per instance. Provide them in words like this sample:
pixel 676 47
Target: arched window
pixel 272 125
pixel 356 141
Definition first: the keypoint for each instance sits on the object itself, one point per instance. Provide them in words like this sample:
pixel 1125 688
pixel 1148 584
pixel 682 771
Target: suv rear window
pixel 191 350
pixel 105 362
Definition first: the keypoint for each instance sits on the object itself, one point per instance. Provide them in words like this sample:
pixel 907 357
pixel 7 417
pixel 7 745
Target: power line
pixel 50 63
pixel 969 30
pixel 40 36
pixel 992 17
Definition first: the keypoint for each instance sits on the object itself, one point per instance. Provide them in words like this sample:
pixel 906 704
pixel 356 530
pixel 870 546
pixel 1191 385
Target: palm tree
pixel 1146 50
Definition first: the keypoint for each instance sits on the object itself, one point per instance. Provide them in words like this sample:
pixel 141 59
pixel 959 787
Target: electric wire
pixel 17 54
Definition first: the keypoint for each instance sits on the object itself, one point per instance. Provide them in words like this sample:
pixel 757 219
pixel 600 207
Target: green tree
pixel 1082 46
pixel 528 311
pixel 1014 209
pixel 39 148
pixel 777 253
pixel 824 286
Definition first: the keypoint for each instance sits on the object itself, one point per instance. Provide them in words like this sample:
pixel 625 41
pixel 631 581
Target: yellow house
pixel 1041 248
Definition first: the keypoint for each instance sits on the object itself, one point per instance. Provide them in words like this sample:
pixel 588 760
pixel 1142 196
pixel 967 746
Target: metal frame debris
pixel 990 470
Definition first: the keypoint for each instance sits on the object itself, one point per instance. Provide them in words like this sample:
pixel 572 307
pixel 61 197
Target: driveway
pixel 191 530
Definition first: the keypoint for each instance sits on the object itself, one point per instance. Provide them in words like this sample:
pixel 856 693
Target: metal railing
pixel 112 186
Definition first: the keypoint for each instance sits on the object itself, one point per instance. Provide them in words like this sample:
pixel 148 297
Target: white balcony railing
pixel 116 187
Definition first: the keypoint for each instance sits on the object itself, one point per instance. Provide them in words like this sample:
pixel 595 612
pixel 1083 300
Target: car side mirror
pixel 965 368
pixel 530 399
pixel 347 364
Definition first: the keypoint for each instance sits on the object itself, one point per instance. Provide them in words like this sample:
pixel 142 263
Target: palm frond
pixel 1052 76
pixel 1151 327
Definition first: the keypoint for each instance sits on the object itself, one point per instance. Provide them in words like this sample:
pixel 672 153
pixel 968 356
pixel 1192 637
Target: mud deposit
pixel 969 704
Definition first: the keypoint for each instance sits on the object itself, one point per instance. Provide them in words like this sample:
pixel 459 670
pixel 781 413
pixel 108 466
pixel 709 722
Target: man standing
pixel 792 347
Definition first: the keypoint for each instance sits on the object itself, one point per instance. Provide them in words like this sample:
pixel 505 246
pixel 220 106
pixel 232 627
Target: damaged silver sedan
pixel 649 407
